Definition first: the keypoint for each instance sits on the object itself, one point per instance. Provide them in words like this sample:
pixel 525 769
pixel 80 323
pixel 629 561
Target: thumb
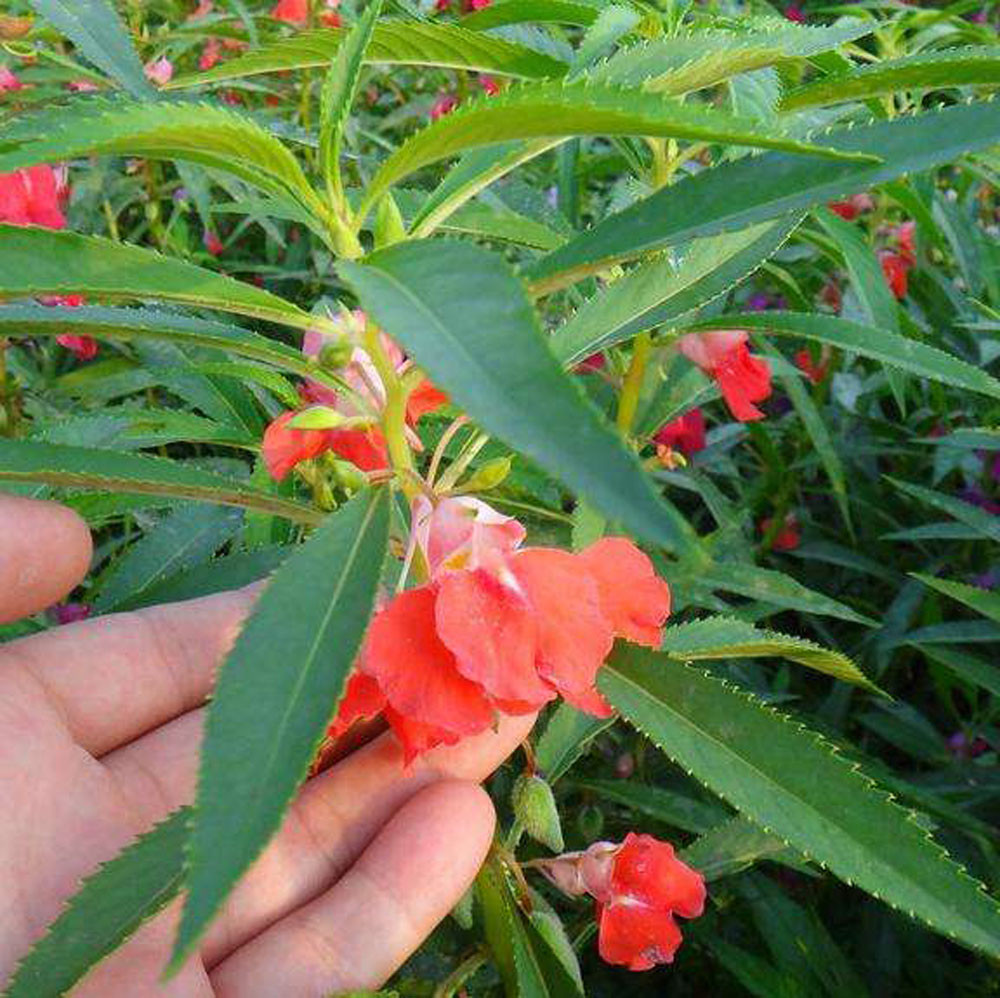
pixel 45 551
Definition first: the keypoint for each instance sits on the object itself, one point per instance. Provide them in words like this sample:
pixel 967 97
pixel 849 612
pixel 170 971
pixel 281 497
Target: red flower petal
pixel 291 11
pixel 646 871
pixel 362 699
pixel 423 399
pixel 590 702
pixel 686 433
pixel 282 448
pixel 636 936
pixel 364 448
pixel 743 379
pixel 417 672
pixel 493 635
pixel 416 737
pixel 633 597
pixel 574 636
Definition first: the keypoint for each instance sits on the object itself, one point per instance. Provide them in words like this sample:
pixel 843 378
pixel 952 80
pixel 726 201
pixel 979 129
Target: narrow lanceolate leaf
pixel 339 91
pixel 794 784
pixel 754 189
pixel 985 524
pixel 209 135
pixel 566 736
pixel 927 70
pixel 400 43
pixel 186 537
pixel 982 601
pixel 680 63
pixel 736 845
pixel 96 30
pixel 63 466
pixel 466 319
pixel 36 261
pixel 722 637
pixel 112 903
pixel 553 109
pixel 537 11
pixel 869 341
pixel 154 324
pixel 657 295
pixel 275 696
pixel 769 586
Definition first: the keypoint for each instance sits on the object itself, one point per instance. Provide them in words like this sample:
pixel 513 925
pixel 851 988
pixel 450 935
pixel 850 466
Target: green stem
pixel 451 984
pixel 628 404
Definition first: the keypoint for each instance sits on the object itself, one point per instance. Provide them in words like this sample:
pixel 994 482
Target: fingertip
pixel 45 550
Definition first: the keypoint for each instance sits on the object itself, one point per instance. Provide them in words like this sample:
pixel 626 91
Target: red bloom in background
pixel 161 71
pixel 895 268
pixel 795 13
pixel 788 538
pixel 686 433
pixel 212 242
pixel 8 81
pixel 742 378
pixel 816 373
pixel 291 11
pixel 905 236
pixel 489 84
pixel 85 347
pixel 498 628
pixel 639 886
pixel 852 207
pixel 284 447
pixel 445 104
pixel 32 197
pixel 210 54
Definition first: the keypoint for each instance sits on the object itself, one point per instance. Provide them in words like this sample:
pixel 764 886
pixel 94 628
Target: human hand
pixel 100 724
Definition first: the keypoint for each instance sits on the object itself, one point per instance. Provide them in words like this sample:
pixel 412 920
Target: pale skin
pixel 99 729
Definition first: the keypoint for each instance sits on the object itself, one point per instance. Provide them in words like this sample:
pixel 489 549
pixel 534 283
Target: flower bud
pixel 535 807
pixel 489 476
pixel 317 417
pixel 335 354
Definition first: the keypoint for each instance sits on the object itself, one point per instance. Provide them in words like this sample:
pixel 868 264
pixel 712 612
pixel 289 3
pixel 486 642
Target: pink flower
pixel 160 72
pixel 854 206
pixel 742 378
pixel 489 84
pixel 595 362
pixel 639 886
pixel 69 613
pixel 210 54
pixel 8 81
pixel 32 197
pixel 686 433
pixel 795 13
pixel 203 9
pixel 291 11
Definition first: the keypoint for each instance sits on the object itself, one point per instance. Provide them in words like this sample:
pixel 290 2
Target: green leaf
pixel 878 344
pixel 536 110
pixel 465 317
pixel 979 600
pixel 969 667
pixel 681 63
pixel 107 909
pixel 723 637
pixel 186 537
pixel 107 470
pixel 769 586
pixel 877 301
pixel 394 43
pixel 795 785
pixel 275 696
pixel 96 30
pixel 36 261
pixel 654 294
pixel 754 189
pixel 209 135
pixel 676 396
pixel 986 524
pixel 734 846
pixel 925 70
pixel 672 808
pixel 339 91
pixel 538 11
pixel 567 735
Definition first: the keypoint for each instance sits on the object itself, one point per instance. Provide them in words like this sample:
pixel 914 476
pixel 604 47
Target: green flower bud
pixel 535 807
pixel 335 354
pixel 489 476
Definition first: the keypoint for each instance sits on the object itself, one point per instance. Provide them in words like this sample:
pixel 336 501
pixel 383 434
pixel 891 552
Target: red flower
pixel 855 205
pixel 470 5
pixel 489 84
pixel 686 433
pixel 831 295
pixel 8 81
pixel 284 447
pixel 31 197
pixel 813 371
pixel 210 54
pixel 291 11
pixel 595 362
pixel 330 19
pixel 445 104
pixel 795 13
pixel 212 242
pixel 85 347
pixel 788 538
pixel 895 269
pixel 501 629
pixel 743 378
pixel 639 886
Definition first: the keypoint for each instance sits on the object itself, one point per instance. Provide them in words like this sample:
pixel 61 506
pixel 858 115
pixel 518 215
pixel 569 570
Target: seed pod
pixel 535 807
